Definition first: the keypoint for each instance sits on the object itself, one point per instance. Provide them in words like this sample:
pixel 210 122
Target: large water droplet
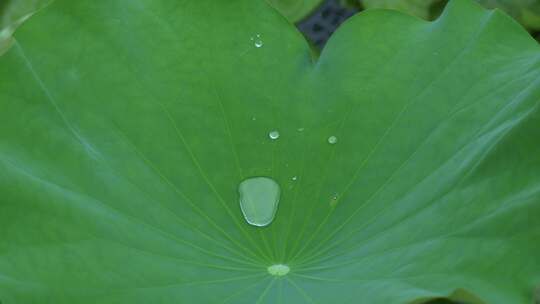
pixel 259 198
pixel 257 41
pixel 273 134
pixel 332 140
pixel 278 269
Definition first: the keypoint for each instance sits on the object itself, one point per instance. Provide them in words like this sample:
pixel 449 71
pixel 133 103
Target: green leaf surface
pixel 295 10
pixel 12 14
pixel 127 127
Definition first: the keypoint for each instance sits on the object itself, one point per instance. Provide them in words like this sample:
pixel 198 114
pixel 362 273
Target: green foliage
pixel 127 127
pixel 295 10
pixel 420 8
pixel 527 12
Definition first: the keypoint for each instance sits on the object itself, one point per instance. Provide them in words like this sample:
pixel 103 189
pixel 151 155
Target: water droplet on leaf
pixel 332 140
pixel 273 134
pixel 259 198
pixel 334 200
pixel 294 178
pixel 257 41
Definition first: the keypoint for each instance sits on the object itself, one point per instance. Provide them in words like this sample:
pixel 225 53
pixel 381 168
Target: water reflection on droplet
pixel 332 140
pixel 334 200
pixel 273 134
pixel 257 41
pixel 259 199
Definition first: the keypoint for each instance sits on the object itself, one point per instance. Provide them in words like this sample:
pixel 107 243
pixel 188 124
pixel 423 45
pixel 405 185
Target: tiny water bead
pixel 300 129
pixel 273 134
pixel 259 199
pixel 332 140
pixel 278 269
pixel 333 200
pixel 294 178
pixel 257 41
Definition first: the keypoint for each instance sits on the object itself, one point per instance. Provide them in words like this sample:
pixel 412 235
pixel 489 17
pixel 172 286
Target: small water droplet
pixel 334 200
pixel 259 198
pixel 257 41
pixel 273 134
pixel 253 118
pixel 332 140
pixel 278 269
pixel 294 178
pixel 300 129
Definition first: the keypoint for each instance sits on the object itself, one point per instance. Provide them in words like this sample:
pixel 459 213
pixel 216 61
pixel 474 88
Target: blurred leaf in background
pixel 425 9
pixel 295 10
pixel 527 12
pixel 12 14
